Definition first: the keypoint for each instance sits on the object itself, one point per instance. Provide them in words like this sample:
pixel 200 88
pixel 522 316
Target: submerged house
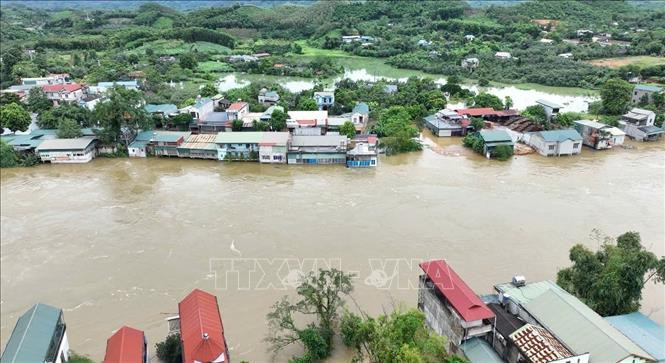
pixel 201 329
pixel 639 125
pixel 78 150
pixel 201 146
pixel 166 143
pixel 494 138
pixel 40 335
pixel 320 149
pixel 364 152
pixel 555 142
pixel 265 147
pixel 451 308
pixel 598 135
pixel 126 345
pixel 447 122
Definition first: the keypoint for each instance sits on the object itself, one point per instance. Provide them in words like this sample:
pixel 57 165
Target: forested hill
pixel 180 5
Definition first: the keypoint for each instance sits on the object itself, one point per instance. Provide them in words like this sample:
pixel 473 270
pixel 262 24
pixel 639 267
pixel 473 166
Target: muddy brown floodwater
pixel 121 241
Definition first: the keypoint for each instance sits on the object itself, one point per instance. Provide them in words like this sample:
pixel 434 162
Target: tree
pixel 7 98
pixel 278 120
pixel 567 118
pixel 260 125
pixel 615 96
pixel 536 113
pixel 236 125
pixel 400 336
pixel 508 102
pixel 610 280
pixel 182 120
pixel 483 82
pixel 348 129
pixel 121 116
pixel 50 119
pixel 188 61
pixel 502 152
pixel 69 129
pixel 37 100
pixel 170 350
pixel 208 90
pixel 484 99
pixel 478 123
pixel 8 157
pixel 320 296
pixel 14 117
pixel 307 104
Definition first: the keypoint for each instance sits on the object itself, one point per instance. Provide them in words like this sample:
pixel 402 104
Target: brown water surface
pixel 121 241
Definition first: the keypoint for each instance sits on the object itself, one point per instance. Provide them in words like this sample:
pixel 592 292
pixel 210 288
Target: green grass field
pixel 163 23
pixel 212 66
pixel 175 47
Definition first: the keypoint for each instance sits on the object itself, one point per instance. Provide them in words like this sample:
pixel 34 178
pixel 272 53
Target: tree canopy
pixel 14 117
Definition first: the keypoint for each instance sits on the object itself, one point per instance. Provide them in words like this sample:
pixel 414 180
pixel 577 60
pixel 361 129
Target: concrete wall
pixel 68 157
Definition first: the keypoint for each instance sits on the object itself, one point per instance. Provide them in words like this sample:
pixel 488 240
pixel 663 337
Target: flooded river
pixel 121 241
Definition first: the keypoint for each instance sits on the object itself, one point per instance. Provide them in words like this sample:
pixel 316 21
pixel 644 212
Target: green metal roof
pixel 581 328
pixel 527 292
pixel 32 335
pixel 361 107
pixel 165 108
pixel 479 351
pixel 495 136
pixel 646 87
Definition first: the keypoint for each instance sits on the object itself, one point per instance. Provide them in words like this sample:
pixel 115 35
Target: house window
pixel 265 157
pixel 576 145
pixel 551 147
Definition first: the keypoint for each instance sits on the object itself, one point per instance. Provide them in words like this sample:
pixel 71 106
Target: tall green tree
pixel 170 350
pixel 307 104
pixel 536 113
pixel 320 296
pixel 208 90
pixel 188 61
pixel 121 116
pixel 348 129
pixel 37 100
pixel 616 95
pixel 182 120
pixel 69 129
pixel 14 117
pixel 400 336
pixel 8 157
pixel 610 280
pixel 278 120
pixel 50 119
pixel 487 100
pixel 7 98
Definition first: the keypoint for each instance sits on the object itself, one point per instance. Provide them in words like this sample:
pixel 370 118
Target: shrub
pixel 502 152
pixel 170 350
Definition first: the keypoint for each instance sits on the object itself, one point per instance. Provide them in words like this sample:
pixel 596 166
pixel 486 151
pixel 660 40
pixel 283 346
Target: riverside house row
pixel 537 322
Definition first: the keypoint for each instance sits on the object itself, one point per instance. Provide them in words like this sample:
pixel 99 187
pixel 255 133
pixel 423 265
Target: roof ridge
pixel 25 331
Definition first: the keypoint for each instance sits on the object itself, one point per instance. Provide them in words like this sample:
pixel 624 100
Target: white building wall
pixel 68 157
pixel 272 155
pixel 137 152
pixel 63 350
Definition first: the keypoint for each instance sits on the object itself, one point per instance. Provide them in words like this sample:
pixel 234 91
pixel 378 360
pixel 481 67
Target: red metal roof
pixel 201 329
pixel 476 111
pixel 236 106
pixel 125 345
pixel 68 87
pixel 456 291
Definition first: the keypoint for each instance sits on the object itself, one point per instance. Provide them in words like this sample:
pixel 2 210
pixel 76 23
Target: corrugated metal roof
pixel 78 143
pixel 651 129
pixel 526 293
pixel 200 141
pixel 125 345
pixel 361 107
pixel 592 124
pixel 166 108
pixel 201 329
pixel 456 291
pixel 479 351
pixel 581 328
pixel 646 87
pixel 322 140
pixel 236 106
pixel 495 136
pixel 539 345
pixel 484 111
pixel 643 331
pixel 252 137
pixel 549 104
pixel 560 135
pixel 32 335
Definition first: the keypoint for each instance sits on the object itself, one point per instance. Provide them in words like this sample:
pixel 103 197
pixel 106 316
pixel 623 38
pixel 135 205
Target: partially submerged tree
pixel 69 129
pixel 170 350
pixel 610 280
pixel 121 116
pixel 615 96
pixel 320 297
pixel 37 100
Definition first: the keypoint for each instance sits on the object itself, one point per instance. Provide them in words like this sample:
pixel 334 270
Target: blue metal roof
pixel 646 87
pixel 479 351
pixel 32 335
pixel 644 332
pixel 495 136
pixel 560 135
pixel 361 107
pixel 165 108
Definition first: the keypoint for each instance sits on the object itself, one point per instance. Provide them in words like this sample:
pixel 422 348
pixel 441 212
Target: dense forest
pixel 104 43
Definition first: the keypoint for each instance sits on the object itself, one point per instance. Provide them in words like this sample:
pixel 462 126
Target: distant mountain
pixel 181 5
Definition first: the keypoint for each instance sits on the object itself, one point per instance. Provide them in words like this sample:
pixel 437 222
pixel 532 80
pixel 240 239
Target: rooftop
pixel 592 124
pixel 125 345
pixel 213 117
pixel 646 87
pixel 118 83
pixel 165 108
pixel 456 291
pixel 200 141
pixel 251 137
pixel 495 136
pixel 236 106
pixel 506 323
pixel 66 87
pixel 643 331
pixel 476 111
pixel 524 294
pixel 580 328
pixel 201 102
pixel 361 107
pixel 560 135
pixel 549 104
pixel 538 345
pixel 651 130
pixel 79 143
pixel 323 140
pixel 201 330
pixel 479 351
pixel 32 335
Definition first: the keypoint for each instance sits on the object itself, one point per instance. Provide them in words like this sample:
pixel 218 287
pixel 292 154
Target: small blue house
pixel 325 100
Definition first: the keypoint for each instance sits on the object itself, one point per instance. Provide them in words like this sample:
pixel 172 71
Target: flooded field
pixel 120 241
